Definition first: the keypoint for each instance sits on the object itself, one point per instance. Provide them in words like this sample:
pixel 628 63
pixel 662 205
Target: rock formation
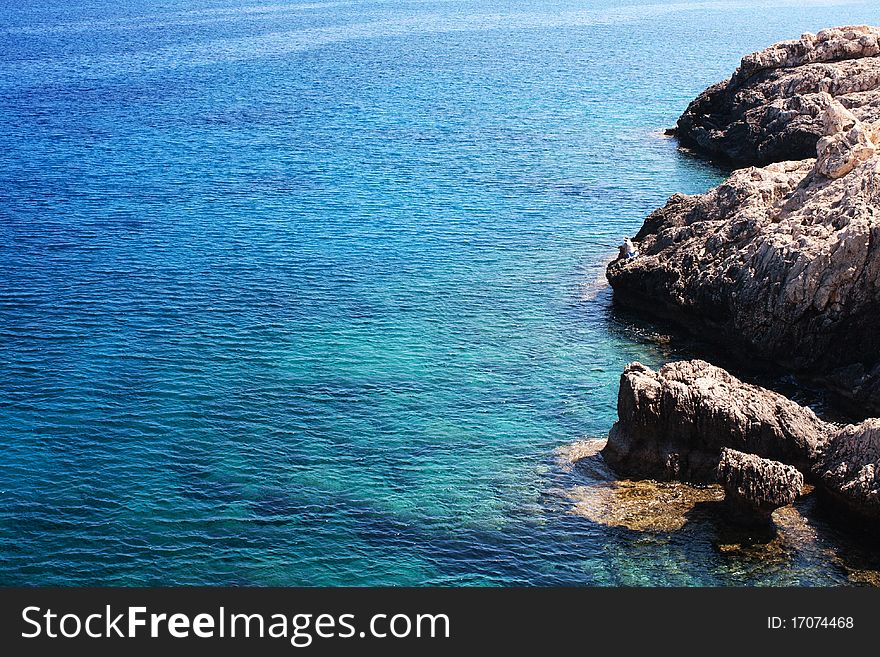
pixel 673 423
pixel 770 109
pixel 850 469
pixel 756 487
pixel 780 262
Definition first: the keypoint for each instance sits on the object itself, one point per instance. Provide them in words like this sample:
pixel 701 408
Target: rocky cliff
pixel 781 262
pixel 770 109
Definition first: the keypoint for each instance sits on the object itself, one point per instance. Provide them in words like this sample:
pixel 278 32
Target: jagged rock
pixel 755 487
pixel 847 143
pixel 673 423
pixel 780 262
pixel 770 110
pixel 850 469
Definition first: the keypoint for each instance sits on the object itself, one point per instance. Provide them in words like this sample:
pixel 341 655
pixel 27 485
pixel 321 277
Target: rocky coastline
pixel 780 264
pixel 770 108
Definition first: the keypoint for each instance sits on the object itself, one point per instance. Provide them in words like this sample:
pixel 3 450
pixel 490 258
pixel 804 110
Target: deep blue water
pixel 310 293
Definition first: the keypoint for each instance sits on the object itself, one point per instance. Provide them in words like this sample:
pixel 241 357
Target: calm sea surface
pixel 310 293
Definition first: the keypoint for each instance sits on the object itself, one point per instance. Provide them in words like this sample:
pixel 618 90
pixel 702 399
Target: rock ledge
pixel 769 110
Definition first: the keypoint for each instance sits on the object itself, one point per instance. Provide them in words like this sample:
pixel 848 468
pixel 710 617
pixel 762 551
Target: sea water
pixel 311 293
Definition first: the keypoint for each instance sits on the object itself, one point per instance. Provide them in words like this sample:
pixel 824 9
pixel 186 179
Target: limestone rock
pixel 755 487
pixel 781 263
pixel 840 152
pixel 850 470
pixel 770 110
pixel 673 423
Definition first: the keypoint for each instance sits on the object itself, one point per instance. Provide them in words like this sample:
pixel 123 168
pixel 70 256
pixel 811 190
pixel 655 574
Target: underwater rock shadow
pixel 659 507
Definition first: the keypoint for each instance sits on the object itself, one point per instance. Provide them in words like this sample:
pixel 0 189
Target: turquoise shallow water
pixel 310 293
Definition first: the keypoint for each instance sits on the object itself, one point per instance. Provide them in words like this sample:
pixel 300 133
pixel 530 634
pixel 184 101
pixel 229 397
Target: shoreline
pixel 653 510
pixel 774 266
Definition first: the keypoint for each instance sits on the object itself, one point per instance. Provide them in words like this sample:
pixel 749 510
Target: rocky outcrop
pixel 770 110
pixel 781 263
pixel 756 487
pixel 850 469
pixel 674 423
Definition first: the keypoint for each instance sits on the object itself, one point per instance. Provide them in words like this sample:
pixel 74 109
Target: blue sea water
pixel 310 293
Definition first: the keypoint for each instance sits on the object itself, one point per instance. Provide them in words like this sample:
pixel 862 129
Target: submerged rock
pixel 850 469
pixel 756 487
pixel 693 422
pixel 674 423
pixel 660 507
pixel 644 505
pixel 770 109
pixel 781 263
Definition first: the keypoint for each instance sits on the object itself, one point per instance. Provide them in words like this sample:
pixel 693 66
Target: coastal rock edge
pixel 770 108
pixel 673 423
